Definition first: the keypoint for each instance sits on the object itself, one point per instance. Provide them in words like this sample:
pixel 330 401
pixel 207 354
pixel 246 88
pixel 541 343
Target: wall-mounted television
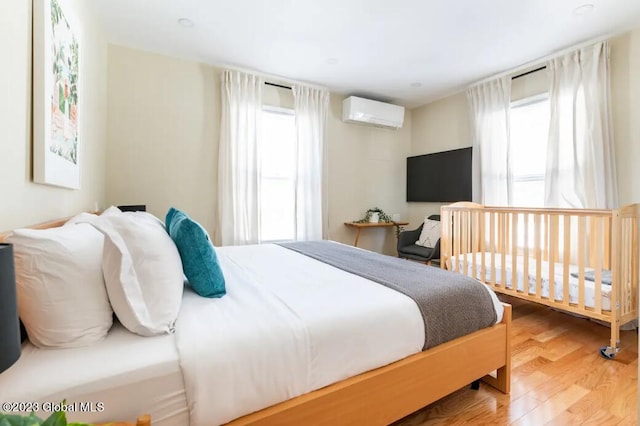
pixel 440 177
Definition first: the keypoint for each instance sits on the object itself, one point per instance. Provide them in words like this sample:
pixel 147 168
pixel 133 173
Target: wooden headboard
pixel 45 225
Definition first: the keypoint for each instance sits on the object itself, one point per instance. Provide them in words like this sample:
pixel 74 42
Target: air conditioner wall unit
pixel 375 113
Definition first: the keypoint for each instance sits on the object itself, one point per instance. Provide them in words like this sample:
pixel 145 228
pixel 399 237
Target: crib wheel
pixel 608 352
pixel 475 385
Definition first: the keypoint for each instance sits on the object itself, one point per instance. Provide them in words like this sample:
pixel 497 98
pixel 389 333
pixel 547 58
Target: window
pixel 528 150
pixel 277 182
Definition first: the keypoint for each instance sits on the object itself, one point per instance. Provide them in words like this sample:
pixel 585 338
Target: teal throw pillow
pixel 199 259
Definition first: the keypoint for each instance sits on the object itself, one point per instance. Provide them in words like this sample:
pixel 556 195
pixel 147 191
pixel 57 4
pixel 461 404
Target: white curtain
pixel 311 108
pixel 238 161
pixel 580 157
pixel 489 110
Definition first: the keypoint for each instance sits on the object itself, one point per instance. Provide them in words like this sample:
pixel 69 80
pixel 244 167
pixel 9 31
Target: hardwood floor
pixel 558 378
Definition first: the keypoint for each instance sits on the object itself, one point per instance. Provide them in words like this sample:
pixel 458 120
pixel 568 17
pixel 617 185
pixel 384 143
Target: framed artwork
pixel 56 142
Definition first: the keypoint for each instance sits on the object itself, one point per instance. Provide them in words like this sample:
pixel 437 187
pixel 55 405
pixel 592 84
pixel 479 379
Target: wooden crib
pixel 580 261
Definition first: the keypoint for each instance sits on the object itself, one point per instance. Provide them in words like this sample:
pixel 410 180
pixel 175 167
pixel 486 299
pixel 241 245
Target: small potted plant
pixel 372 214
pixel 376 215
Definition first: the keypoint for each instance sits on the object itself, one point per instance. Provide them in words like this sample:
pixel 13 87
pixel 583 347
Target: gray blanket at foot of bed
pixel 451 304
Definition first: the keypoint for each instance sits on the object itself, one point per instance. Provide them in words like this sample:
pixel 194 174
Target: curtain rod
pixel 275 77
pixel 277 85
pixel 529 72
pixel 544 59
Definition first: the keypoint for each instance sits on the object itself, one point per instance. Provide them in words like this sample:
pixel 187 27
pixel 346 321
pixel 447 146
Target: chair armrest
pixel 435 253
pixel 407 238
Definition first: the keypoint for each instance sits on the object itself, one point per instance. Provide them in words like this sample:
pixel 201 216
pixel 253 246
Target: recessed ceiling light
pixel 186 22
pixel 416 84
pixel 584 9
pixel 333 61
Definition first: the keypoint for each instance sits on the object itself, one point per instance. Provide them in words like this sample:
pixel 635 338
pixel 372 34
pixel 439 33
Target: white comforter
pixel 288 325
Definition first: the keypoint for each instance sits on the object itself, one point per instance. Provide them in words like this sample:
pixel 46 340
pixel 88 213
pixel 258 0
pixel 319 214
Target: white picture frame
pixel 56 69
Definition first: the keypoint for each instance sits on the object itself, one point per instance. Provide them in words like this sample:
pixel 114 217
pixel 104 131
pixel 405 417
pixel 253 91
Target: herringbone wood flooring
pixel 558 378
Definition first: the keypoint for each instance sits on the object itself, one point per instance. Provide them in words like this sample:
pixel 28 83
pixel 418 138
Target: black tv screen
pixel 440 177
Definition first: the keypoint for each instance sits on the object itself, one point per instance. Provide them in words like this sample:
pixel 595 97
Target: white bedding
pixel 129 374
pixel 589 292
pixel 288 325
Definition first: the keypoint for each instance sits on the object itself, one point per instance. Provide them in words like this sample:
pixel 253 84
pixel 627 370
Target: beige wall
pixel 163 134
pixel 444 124
pixel 367 168
pixel 23 202
pixel 625 94
pixel 164 124
pixel 439 126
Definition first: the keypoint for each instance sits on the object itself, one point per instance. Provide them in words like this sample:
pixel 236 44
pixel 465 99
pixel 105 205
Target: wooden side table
pixel 360 225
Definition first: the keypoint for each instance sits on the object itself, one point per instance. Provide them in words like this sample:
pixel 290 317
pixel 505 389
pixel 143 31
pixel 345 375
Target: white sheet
pixel 589 291
pixel 129 374
pixel 288 325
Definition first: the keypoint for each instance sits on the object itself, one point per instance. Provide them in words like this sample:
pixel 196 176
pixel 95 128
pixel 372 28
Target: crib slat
pixel 582 243
pixel 627 274
pixel 598 242
pixel 503 248
pixel 607 244
pixel 593 248
pixel 456 240
pixel 483 270
pixel 545 238
pixel 631 293
pixel 464 241
pixel 445 240
pixel 514 254
pixel 567 259
pixel 474 243
pixel 553 253
pixel 525 254
pixel 538 251
pixel 492 243
pixel 629 249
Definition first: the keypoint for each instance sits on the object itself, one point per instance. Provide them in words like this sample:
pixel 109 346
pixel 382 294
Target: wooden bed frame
pixel 564 238
pixel 389 393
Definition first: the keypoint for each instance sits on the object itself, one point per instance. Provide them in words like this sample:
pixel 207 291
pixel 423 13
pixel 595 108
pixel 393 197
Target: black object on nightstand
pixel 10 343
pixel 134 208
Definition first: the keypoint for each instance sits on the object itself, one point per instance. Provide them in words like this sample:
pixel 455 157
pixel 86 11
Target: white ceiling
pixel 382 46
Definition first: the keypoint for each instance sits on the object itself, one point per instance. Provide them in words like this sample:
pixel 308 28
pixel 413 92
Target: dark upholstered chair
pixel 408 249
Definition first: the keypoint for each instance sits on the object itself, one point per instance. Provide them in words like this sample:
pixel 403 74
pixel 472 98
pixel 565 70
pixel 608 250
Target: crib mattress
pixel 530 278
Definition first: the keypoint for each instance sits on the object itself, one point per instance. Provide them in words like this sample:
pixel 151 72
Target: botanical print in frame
pixel 55 97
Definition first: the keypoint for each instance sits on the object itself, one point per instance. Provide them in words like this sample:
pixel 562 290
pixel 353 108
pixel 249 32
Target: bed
pixel 580 261
pixel 286 350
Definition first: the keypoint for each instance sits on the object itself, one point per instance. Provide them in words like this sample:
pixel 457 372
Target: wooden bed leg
pixel 502 381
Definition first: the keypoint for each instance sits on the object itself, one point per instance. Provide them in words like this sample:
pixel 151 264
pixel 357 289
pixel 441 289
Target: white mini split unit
pixel 374 113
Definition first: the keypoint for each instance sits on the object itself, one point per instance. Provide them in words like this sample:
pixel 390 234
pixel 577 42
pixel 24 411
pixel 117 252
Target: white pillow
pixel 62 298
pixel 91 218
pixel 430 233
pixel 142 271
